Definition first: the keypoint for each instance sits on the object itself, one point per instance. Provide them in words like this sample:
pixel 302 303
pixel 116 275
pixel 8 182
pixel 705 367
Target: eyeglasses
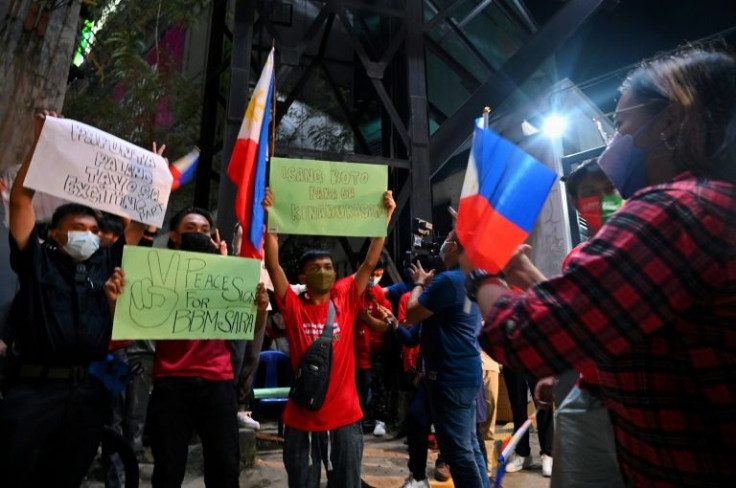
pixel 611 117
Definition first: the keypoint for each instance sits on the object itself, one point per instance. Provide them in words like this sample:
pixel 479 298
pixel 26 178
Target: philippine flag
pixel 247 168
pixel 503 193
pixel 184 168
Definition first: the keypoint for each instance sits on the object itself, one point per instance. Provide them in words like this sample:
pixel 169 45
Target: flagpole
pixel 486 116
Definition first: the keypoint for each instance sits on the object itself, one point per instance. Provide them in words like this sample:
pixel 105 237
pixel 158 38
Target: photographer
pixel 450 325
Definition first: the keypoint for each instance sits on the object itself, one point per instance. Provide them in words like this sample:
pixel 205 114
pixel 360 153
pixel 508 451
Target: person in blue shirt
pixel 449 344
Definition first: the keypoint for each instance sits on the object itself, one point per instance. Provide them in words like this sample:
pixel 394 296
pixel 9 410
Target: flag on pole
pixel 503 193
pixel 247 168
pixel 183 169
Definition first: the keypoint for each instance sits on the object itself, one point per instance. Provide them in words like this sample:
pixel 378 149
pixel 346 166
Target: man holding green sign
pixel 331 434
pixel 199 293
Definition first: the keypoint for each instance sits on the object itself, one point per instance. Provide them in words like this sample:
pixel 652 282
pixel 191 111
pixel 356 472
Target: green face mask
pixel 320 281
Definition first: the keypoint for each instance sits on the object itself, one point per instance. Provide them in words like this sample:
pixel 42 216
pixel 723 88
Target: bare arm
pixel 22 216
pixel 261 307
pixel 271 255
pixel 374 251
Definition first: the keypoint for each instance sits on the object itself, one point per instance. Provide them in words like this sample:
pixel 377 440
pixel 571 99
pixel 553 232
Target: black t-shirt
pixel 60 316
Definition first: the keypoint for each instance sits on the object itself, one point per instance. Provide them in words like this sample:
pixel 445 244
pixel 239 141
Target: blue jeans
pixel 453 413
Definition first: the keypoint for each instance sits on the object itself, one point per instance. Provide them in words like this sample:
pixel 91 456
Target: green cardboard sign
pixel 327 198
pixel 186 295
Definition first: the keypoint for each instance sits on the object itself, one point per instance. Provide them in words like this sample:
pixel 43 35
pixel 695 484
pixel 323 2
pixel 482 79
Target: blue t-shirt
pixel 450 336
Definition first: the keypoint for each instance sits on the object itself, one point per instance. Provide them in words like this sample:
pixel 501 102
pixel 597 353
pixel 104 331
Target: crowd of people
pixel 641 310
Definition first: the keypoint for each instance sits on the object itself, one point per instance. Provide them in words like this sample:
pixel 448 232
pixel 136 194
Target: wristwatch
pixel 476 278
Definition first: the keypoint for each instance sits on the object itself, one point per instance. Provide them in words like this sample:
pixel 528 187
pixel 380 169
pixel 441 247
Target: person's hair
pixel 111 224
pixel 179 216
pixel 312 255
pixel 72 209
pixel 576 176
pixel 381 264
pixel 702 82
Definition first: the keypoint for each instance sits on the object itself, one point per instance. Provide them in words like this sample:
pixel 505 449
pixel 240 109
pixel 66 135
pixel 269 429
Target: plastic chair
pixel 274 370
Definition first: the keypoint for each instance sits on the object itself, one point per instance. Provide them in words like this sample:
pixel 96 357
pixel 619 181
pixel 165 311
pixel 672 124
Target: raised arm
pixel 22 216
pixel 374 251
pixel 134 231
pixel 271 255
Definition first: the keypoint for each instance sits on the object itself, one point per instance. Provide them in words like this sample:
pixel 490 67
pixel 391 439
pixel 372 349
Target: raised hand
pixel 419 275
pixel 153 300
pixel 267 199
pixel 218 244
pixel 39 120
pixel 389 203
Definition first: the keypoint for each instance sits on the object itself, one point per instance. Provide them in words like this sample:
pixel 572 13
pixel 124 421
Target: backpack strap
pixel 329 325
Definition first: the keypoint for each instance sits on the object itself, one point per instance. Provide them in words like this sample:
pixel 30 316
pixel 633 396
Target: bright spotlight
pixel 554 126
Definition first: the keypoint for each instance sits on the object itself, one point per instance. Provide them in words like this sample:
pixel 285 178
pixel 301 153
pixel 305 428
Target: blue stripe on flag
pixel 514 183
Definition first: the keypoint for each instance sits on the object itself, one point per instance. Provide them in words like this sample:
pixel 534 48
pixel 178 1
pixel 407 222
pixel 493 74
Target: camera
pixel 425 246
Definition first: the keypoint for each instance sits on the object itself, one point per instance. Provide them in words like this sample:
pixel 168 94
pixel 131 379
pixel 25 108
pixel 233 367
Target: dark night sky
pixel 633 30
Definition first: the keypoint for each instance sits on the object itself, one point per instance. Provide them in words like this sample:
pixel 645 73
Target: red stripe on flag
pixel 489 238
pixel 242 172
pixel 177 177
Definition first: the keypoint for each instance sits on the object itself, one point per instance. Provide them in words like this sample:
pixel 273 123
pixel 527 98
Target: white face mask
pixel 81 245
pixel 374 280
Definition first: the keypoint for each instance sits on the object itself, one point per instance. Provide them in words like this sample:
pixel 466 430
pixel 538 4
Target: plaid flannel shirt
pixel 652 300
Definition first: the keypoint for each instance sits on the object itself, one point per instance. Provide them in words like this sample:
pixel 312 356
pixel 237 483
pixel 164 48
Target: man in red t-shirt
pixel 333 433
pixel 370 319
pixel 370 346
pixel 193 387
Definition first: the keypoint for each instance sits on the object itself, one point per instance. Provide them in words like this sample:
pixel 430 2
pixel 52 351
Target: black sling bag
pixel 313 374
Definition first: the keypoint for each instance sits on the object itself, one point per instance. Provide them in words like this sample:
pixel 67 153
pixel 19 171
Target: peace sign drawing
pixel 154 298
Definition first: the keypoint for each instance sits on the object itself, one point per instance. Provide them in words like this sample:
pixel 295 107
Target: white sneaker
pixel 412 483
pixel 380 429
pixel 546 466
pixel 245 420
pixel 517 463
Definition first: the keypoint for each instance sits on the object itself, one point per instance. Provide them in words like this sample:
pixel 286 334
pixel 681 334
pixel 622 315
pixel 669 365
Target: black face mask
pixel 196 242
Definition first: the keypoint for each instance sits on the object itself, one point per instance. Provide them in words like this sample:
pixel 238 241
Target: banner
pixel 327 198
pixel 81 164
pixel 186 295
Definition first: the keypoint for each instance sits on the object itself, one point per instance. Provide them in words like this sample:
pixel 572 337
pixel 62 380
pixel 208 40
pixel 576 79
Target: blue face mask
pixel 623 162
pixel 81 245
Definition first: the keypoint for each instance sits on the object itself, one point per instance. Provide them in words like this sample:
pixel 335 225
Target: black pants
pixel 518 386
pixel 378 406
pixel 340 450
pixel 363 384
pixel 50 432
pixel 180 406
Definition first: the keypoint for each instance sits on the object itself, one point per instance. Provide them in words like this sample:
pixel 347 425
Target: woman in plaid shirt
pixel 652 298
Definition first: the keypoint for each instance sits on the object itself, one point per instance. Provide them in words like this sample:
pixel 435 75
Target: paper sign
pixel 79 163
pixel 327 198
pixel 186 295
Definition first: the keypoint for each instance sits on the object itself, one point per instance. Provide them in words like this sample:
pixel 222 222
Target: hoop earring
pixel 667 144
